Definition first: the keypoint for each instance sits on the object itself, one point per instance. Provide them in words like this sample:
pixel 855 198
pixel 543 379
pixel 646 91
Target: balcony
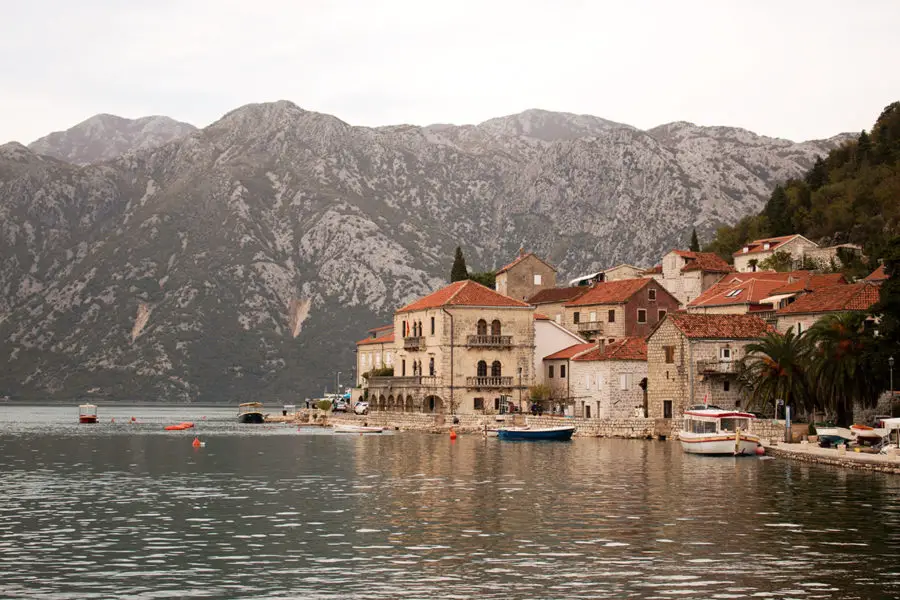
pixel 413 343
pixel 489 382
pixel 403 382
pixel 489 341
pixel 717 367
pixel 587 326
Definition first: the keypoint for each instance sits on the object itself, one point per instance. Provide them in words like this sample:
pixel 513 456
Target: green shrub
pixel 324 405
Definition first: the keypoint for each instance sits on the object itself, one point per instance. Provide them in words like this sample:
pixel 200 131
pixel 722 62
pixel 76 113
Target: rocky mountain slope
pixel 243 260
pixel 104 137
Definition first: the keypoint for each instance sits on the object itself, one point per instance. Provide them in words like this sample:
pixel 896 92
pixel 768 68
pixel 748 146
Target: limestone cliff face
pixel 242 260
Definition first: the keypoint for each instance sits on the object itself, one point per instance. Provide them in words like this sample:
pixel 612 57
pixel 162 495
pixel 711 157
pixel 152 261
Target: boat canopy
pixel 717 413
pixel 251 404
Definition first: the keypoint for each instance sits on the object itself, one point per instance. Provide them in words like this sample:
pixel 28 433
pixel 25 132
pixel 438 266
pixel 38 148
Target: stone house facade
pixel 557 374
pixel 609 381
pixel 524 277
pixel 463 349
pixel 687 274
pixel 551 302
pixel 692 357
pixel 749 257
pixel 550 337
pixel 617 309
pixel 806 310
pixel 623 271
pixel 374 352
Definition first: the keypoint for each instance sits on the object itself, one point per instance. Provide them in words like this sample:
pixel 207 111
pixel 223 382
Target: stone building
pixel 692 357
pixel 524 277
pixel 760 293
pixel 687 274
pixel 802 313
pixel 552 301
pixel 609 381
pixel 752 254
pixel 374 352
pixel 617 309
pixel 463 349
pixel 623 271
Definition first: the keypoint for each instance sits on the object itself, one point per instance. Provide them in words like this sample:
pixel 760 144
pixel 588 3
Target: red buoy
pixel 452 435
pixel 133 419
pixel 196 443
pixel 760 450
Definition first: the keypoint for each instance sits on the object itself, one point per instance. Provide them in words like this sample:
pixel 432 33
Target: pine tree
pixel 458 272
pixel 695 243
pixel 777 212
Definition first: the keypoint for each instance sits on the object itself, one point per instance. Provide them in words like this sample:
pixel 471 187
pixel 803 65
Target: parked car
pixel 340 405
pixel 361 408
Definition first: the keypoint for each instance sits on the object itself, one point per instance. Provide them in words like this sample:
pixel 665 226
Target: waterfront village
pixel 622 352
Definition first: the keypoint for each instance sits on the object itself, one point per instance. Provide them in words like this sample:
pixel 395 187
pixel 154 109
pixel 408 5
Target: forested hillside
pixel 850 196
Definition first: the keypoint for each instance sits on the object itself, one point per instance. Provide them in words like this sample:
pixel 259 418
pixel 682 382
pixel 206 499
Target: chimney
pixel 601 343
pixel 521 250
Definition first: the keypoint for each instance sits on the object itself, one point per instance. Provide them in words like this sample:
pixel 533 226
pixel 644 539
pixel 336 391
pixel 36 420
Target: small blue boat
pixel 549 433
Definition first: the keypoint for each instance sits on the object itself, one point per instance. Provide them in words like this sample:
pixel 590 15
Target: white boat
pixel 357 429
pixel 712 430
pixel 871 435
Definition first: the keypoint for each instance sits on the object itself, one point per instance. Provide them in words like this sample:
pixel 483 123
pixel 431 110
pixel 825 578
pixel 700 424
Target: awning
pixel 774 300
pixel 578 280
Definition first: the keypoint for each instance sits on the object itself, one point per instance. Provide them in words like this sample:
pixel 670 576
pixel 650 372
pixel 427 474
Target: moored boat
pixel 357 429
pixel 868 435
pixel 833 436
pixel 87 413
pixel 251 412
pixel 712 430
pixel 547 433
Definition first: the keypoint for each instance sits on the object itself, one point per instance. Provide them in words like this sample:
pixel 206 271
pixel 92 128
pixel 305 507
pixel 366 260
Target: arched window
pixel 495 327
pixel 415 368
pixel 482 368
pixel 421 329
pixel 481 327
pixel 431 366
pixel 495 368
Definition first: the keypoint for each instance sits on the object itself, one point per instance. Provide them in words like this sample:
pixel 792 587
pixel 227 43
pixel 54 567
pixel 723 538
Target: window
pixel 587 382
pixel 495 369
pixel 377 361
pixel 389 358
pixel 481 327
pixel 537 279
pixel 662 315
pixel 562 371
pixel 726 386
pixel 593 316
pixel 432 325
pixel 766 246
pixel 667 409
pixel 725 354
pixel 651 294
pixel 611 317
pixel 625 381
pixel 482 368
pixel 431 366
pixel 478 403
pixel 403 368
pixel 576 317
pixel 642 315
pixel 495 327
pixel 496 403
pixel 587 411
pixel 558 318
pixel 550 372
pixel 734 293
pixel 670 354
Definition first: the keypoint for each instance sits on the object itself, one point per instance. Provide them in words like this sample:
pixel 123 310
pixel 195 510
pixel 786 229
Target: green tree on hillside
pixel 458 272
pixel 695 243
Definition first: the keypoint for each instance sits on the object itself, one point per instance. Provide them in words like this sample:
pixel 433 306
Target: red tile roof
pixel 540 317
pixel 654 270
pixel 758 245
pixel 611 292
pixel 878 275
pixel 382 328
pixel 750 292
pixel 385 339
pixel 563 294
pixel 519 259
pixel 855 296
pixel 570 351
pixel 463 293
pixel 784 277
pixel 630 348
pixel 703 261
pixel 812 281
pixel 720 327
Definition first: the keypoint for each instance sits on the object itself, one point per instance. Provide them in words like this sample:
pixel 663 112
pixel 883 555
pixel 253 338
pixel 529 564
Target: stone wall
pixel 518 282
pixel 597 384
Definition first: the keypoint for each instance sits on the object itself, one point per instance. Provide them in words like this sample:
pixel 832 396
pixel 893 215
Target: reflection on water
pixel 126 510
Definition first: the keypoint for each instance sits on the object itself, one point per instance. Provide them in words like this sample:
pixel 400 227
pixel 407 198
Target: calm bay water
pixel 127 510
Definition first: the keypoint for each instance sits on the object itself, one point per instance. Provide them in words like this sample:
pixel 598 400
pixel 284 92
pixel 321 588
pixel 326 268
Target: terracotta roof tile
pixel 709 262
pixel 540 317
pixel 751 292
pixel 463 293
pixel 571 351
pixel 877 275
pixel 563 294
pixel 519 259
pixel 654 270
pixel 382 328
pixel 385 339
pixel 611 292
pixel 630 348
pixel 812 281
pixel 758 245
pixel 722 327
pixel 855 296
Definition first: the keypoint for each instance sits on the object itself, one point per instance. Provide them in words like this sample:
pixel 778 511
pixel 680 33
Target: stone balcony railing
pixel 489 341
pixel 403 382
pixel 489 382
pixel 413 343
pixel 717 367
pixel 590 326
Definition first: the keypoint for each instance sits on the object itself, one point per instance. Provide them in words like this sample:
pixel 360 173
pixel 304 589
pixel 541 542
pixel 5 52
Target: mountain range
pixel 150 260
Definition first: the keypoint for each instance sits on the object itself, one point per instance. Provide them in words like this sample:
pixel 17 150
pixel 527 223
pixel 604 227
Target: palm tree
pixel 775 367
pixel 841 364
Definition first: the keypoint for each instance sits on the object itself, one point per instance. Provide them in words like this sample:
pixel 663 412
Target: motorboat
pixel 87 413
pixel 545 433
pixel 251 412
pixel 712 430
pixel 357 429
pixel 834 436
pixel 492 431
pixel 869 435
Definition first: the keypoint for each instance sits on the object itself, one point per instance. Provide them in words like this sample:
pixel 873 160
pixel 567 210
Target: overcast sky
pixel 788 68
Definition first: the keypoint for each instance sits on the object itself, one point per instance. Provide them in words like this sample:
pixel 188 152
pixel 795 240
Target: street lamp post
pixel 338 383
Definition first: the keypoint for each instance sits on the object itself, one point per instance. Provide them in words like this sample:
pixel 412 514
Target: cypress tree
pixel 695 243
pixel 458 272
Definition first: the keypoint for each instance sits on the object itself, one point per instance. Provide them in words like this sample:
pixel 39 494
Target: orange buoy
pixel 760 450
pixel 452 435
pixel 196 443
